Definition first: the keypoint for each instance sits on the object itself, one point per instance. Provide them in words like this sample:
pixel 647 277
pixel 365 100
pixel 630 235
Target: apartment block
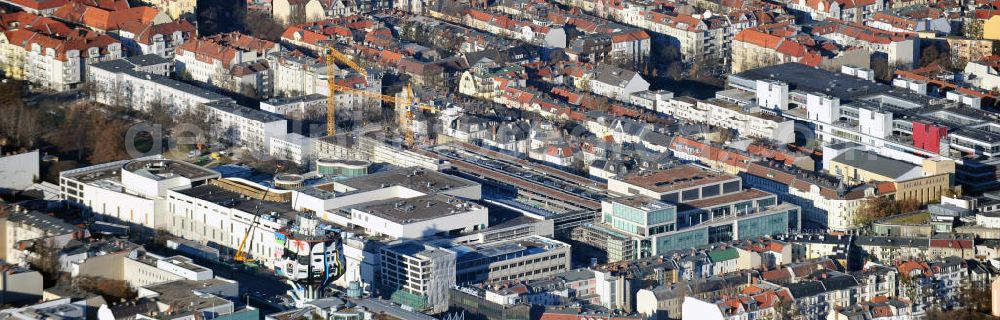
pixel 50 54
pixel 249 128
pixel 138 84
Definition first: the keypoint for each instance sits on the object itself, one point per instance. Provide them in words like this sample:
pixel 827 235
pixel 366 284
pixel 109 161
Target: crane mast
pixel 241 254
pixel 331 98
pixel 332 57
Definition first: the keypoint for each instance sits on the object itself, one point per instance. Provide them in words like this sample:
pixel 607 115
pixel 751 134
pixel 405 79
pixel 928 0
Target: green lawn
pixel 915 218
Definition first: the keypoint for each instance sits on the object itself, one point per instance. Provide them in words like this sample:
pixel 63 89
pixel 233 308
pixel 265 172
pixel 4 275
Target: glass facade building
pixel 342 168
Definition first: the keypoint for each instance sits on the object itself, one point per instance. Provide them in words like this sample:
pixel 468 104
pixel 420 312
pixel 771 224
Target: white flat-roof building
pixel 419 217
pixel 131 192
pixel 20 170
pixel 424 288
pixel 124 82
pixel 220 213
pixel 245 127
pixel 405 270
pixel 184 267
pixel 129 262
pixel 401 183
pixel 293 147
pixel 299 107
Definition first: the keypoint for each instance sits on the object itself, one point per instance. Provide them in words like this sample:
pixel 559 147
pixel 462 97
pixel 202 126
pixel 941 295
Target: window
pixel 688 195
pixel 710 191
pixel 730 187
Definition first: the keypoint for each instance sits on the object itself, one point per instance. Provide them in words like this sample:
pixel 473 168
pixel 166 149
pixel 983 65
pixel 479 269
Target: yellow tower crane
pixel 408 100
pixel 332 56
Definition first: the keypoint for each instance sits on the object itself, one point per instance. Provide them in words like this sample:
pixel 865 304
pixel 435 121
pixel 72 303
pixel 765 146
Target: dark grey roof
pixel 843 145
pixel 975 266
pixel 123 66
pixel 231 107
pixel 806 289
pixel 838 281
pixel 816 238
pixel 513 131
pixel 946 262
pixel 277 101
pixel 411 210
pixel 576 275
pixel 229 199
pixel 599 163
pixel 657 138
pixel 978 134
pixel 612 75
pixel 872 162
pixel 43 221
pixel 893 242
pixel 472 58
pixel 522 52
pixel 146 60
pixel 809 79
pixel 133 308
pixel 630 126
pixel 669 292
pixel 726 281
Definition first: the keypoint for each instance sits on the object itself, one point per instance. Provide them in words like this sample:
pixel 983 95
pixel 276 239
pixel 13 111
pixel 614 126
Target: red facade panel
pixel 928 136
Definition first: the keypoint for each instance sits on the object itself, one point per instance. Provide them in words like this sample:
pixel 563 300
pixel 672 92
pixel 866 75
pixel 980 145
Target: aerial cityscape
pixel 499 159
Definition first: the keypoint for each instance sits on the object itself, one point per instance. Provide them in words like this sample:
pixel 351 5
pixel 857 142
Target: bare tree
pixel 109 141
pixel 973 29
pixel 883 72
pixel 74 131
pixel 45 258
pixel 110 289
pixel 196 127
pixel 159 113
pixel 20 123
pixel 878 208
pixel 676 70
pixel 263 26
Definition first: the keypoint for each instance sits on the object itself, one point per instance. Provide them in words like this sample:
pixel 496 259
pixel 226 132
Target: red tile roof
pixel 561 152
pixel 144 33
pixel 24 20
pixel 39 4
pixel 225 47
pixel 81 40
pixel 297 34
pixel 951 243
pixel 908 267
pixel 105 19
pixel 860 32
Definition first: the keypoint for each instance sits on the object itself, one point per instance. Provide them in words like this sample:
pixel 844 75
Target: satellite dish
pixel 707 14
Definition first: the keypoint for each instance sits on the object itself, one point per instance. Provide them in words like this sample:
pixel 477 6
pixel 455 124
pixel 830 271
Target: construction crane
pixel 241 255
pixel 408 100
pixel 332 56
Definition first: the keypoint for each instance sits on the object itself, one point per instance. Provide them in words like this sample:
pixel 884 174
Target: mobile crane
pixel 241 254
pixel 332 56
